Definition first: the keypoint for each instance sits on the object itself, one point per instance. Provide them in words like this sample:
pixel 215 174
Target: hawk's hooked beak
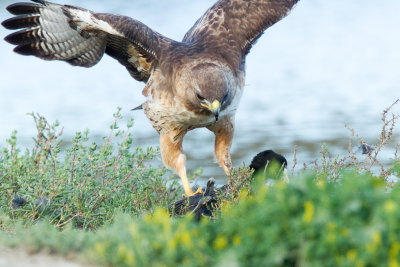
pixel 214 107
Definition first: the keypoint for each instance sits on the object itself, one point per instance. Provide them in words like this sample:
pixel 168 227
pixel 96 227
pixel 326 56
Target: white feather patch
pixel 86 21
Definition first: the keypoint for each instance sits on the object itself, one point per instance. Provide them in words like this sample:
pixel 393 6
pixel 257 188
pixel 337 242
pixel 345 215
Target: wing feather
pixel 231 27
pixel 80 37
pixel 24 8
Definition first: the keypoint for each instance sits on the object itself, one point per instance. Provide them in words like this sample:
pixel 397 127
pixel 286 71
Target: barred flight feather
pixel 80 37
pixel 22 21
pixel 23 8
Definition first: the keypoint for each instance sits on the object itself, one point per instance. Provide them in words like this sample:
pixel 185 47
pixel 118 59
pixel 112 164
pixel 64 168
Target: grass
pixel 104 203
pixel 84 185
pixel 350 223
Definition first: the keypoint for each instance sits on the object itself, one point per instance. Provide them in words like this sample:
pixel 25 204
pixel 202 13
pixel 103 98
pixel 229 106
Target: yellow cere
pixel 215 105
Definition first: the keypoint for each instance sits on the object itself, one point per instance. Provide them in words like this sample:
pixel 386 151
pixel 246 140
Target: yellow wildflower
pixel 172 243
pixel 99 248
pixel 185 238
pixel 161 216
pixel 393 263
pixel 394 250
pixel 376 240
pixel 308 211
pixel 389 206
pixel 121 251
pixel 130 258
pixel 344 232
pixel 351 254
pixel 220 242
pixel 244 194
pixel 236 240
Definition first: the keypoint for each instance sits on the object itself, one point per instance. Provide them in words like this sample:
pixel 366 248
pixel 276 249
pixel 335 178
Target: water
pixel 329 63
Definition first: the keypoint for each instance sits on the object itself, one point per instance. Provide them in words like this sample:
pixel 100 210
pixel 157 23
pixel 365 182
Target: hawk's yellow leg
pixel 173 157
pixel 223 131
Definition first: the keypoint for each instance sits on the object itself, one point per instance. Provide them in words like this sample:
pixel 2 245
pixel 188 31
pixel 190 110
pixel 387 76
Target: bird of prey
pixel 194 83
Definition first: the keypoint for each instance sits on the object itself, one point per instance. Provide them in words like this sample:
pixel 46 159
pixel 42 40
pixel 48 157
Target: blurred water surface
pixel 329 63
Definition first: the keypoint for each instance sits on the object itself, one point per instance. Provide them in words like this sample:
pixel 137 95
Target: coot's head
pixel 271 164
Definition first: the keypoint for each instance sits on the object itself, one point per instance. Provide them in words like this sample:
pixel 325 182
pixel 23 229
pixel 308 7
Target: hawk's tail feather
pixel 24 8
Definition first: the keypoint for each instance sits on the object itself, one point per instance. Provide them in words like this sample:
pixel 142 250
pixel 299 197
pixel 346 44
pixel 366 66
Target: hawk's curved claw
pixel 191 193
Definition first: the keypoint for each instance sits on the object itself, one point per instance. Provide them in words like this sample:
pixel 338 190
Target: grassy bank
pixel 353 222
pixel 104 203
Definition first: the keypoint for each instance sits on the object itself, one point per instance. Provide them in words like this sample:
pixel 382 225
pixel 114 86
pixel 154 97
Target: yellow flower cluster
pixel 376 241
pixel 393 254
pixel 351 254
pixel 308 212
pixel 389 206
pixel 125 255
pixel 220 242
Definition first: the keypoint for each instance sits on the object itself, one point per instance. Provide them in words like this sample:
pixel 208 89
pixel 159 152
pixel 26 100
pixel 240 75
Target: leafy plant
pixel 85 184
pixel 353 222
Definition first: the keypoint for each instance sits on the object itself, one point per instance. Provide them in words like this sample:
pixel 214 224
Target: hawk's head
pixel 207 88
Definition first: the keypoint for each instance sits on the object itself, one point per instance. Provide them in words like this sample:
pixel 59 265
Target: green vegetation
pixel 84 185
pixel 105 204
pixel 353 222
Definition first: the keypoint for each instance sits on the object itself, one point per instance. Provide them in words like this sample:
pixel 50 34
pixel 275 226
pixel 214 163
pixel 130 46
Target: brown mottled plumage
pixel 190 84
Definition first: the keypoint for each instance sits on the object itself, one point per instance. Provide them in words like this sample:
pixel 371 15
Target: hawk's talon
pixel 191 193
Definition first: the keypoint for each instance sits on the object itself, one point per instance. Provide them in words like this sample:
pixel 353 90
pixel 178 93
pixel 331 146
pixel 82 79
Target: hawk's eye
pixel 199 97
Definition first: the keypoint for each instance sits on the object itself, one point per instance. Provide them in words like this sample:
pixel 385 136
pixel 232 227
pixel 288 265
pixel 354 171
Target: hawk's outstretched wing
pixel 231 27
pixel 81 37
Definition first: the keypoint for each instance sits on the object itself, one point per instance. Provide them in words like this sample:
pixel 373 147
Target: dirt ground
pixel 19 258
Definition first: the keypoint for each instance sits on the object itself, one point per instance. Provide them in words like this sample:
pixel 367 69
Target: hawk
pixel 194 83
